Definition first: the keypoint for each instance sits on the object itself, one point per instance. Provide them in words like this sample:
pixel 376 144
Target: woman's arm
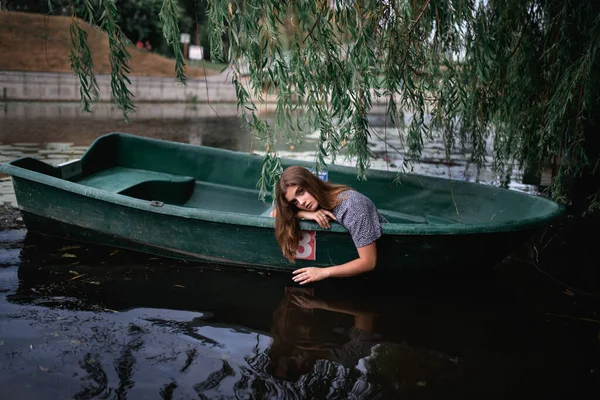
pixel 321 217
pixel 362 319
pixel 366 261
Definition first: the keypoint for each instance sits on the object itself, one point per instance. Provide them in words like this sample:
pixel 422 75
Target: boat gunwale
pixel 260 221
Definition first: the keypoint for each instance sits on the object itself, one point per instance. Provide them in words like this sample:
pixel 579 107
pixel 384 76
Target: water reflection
pixel 53 131
pixel 129 323
pixel 83 321
pixel 297 346
pixel 343 348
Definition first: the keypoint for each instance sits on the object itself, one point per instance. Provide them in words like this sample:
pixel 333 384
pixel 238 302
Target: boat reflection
pixel 219 331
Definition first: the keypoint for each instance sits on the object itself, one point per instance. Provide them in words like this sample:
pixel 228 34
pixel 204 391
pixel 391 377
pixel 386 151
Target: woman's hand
pixel 321 217
pixel 310 274
pixel 366 261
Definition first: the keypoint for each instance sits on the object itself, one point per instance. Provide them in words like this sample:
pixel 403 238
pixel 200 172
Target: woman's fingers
pixel 302 278
pixel 329 214
pixel 322 219
pixel 323 222
pixel 308 274
pixel 319 220
pixel 299 271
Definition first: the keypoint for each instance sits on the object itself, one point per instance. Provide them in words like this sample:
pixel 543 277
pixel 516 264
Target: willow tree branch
pixel 412 28
pixel 419 17
pixel 316 22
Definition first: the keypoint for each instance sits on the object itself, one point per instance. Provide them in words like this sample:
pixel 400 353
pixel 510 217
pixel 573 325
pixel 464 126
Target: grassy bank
pixel 37 42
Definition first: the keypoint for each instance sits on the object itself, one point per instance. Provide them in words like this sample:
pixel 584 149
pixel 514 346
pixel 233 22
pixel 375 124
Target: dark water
pixel 81 321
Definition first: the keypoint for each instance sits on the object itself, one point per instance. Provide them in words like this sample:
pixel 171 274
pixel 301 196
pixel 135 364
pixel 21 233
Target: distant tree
pixel 138 19
pixel 199 24
pixel 526 71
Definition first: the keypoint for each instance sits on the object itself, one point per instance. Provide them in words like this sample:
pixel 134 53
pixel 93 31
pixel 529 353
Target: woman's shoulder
pixel 353 196
pixel 353 200
pixel 354 203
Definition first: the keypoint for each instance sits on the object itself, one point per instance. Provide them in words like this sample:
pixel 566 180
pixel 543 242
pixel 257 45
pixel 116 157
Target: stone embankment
pixel 56 86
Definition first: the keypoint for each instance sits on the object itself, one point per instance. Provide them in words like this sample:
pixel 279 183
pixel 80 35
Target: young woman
pixel 300 194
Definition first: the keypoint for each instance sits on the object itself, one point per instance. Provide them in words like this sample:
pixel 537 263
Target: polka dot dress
pixel 358 214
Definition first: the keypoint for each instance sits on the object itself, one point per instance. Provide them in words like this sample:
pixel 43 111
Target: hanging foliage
pixel 525 70
pixel 523 73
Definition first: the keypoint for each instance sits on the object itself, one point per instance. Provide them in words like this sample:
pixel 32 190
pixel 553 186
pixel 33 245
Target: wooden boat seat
pixel 119 179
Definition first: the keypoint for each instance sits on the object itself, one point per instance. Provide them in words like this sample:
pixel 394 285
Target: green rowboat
pixel 198 203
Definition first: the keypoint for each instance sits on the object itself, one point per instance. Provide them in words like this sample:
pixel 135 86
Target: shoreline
pixel 10 218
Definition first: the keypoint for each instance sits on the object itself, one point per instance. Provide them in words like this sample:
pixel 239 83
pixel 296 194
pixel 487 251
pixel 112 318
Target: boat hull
pixel 94 221
pixel 199 203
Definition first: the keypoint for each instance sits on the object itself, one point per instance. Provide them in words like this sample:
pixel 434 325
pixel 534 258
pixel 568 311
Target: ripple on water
pixel 15 236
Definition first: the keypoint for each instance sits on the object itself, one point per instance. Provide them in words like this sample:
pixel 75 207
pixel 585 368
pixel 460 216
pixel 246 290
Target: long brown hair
pixel 287 226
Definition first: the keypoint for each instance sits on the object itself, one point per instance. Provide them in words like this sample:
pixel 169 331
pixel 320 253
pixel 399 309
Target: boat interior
pixel 190 176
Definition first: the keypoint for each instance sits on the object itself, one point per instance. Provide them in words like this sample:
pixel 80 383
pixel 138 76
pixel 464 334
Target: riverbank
pixel 10 217
pixel 41 43
pixel 65 86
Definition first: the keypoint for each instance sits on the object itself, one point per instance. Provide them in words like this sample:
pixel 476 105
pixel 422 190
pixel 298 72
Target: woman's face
pixel 300 198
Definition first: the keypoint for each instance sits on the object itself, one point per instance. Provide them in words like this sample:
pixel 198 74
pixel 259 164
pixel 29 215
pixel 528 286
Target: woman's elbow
pixel 368 257
pixel 370 264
